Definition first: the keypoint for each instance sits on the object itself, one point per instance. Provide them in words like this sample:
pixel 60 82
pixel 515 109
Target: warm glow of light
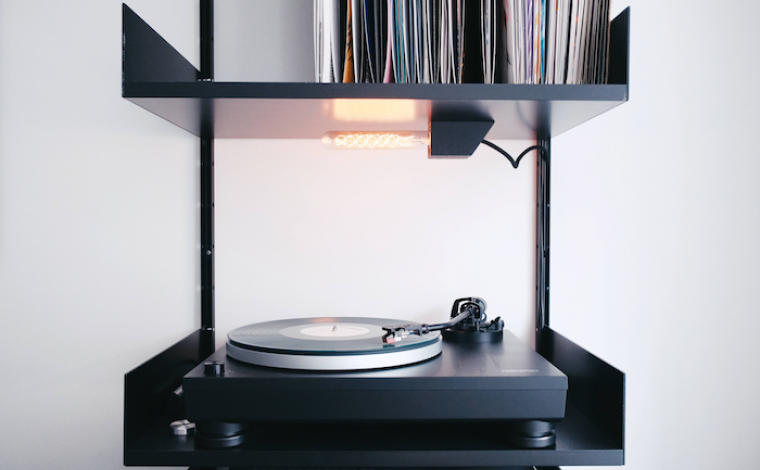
pixel 359 110
pixel 375 140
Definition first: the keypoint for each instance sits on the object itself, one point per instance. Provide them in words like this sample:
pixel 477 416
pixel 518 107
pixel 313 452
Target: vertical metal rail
pixel 207 173
pixel 207 40
pixel 207 232
pixel 543 185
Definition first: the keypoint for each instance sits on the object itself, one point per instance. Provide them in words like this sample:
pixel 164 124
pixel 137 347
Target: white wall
pixel 97 229
pixel 654 223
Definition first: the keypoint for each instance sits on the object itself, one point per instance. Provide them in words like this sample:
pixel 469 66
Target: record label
pixel 340 331
pixel 333 331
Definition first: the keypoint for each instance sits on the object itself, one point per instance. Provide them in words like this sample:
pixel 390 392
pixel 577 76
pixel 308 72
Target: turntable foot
pixel 220 435
pixel 532 434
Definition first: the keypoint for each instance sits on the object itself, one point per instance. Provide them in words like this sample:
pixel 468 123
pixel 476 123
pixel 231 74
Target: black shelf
pixel 309 110
pixel 159 79
pixel 589 434
pixel 578 443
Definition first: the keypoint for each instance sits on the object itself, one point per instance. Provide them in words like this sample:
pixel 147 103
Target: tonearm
pixel 467 323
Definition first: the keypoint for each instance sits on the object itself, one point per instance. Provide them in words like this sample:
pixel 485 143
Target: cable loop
pixel 514 162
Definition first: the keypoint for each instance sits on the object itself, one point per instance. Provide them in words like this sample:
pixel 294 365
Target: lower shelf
pixel 579 442
pixel 582 439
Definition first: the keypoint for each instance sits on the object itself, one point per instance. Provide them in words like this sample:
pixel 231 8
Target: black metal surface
pixel 596 388
pixel 207 233
pixel 619 48
pixel 309 110
pixel 543 199
pixel 456 138
pixel 207 174
pixel 147 57
pixel 467 382
pixel 443 93
pixel 148 388
pixel 578 443
pixel 207 39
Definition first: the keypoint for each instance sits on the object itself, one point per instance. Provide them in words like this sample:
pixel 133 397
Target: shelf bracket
pixel 147 57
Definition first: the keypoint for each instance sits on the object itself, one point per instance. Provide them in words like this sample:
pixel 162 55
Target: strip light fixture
pixel 445 139
pixel 376 140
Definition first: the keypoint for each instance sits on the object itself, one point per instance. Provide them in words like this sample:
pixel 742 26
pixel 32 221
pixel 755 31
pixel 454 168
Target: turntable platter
pixel 328 343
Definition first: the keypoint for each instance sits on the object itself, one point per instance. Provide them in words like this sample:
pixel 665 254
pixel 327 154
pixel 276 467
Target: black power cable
pixel 514 162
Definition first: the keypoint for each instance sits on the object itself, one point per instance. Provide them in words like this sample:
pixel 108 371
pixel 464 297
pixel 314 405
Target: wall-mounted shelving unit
pixel 157 78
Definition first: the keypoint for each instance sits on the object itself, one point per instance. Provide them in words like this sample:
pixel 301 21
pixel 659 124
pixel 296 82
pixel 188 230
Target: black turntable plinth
pixel 503 383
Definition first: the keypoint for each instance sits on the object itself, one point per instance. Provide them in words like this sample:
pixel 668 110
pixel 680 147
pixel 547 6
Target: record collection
pixel 461 41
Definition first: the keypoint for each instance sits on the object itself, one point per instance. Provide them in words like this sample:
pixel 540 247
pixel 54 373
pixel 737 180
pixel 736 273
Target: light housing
pixel 457 138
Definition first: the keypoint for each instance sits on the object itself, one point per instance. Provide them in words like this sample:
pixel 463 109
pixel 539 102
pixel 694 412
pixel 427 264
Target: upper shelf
pixel 160 80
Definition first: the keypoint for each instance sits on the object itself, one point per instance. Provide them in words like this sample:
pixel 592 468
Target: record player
pixel 370 372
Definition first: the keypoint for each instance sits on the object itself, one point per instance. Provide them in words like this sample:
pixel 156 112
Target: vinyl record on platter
pixel 328 343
